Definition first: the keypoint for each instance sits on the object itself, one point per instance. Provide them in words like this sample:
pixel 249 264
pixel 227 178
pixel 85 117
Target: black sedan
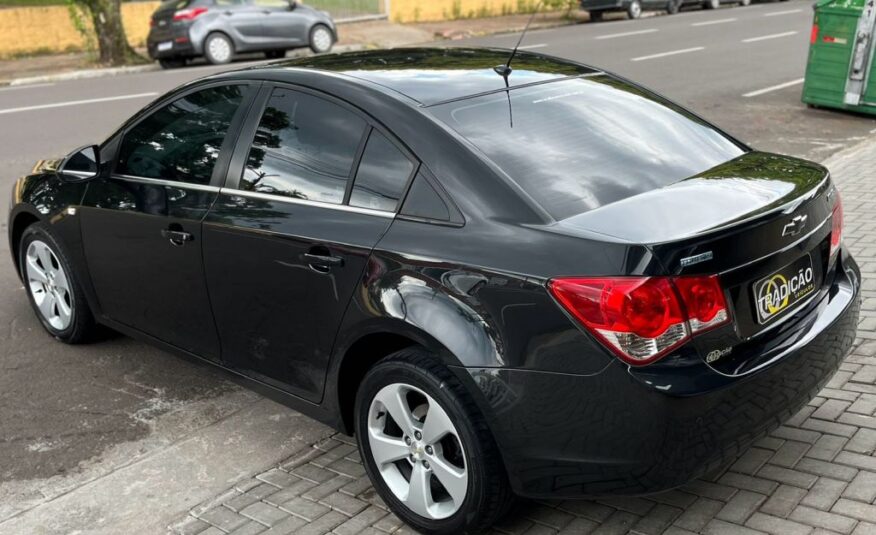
pixel 538 279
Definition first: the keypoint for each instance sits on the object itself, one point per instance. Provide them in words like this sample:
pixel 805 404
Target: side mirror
pixel 80 165
pixel 293 4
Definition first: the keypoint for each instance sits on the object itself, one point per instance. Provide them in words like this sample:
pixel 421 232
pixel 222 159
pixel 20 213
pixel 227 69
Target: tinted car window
pixel 579 144
pixel 304 148
pixel 181 141
pixel 382 176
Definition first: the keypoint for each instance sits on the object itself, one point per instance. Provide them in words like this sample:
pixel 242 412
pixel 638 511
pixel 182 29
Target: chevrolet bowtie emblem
pixel 796 226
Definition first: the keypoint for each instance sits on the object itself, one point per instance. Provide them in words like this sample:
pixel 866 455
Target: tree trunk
pixel 112 43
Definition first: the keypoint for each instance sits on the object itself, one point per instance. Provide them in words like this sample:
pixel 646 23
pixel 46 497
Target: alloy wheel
pixel 49 285
pixel 220 49
pixel 418 451
pixel 321 39
pixel 635 10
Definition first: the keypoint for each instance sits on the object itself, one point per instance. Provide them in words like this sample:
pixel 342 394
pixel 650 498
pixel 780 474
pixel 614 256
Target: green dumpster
pixel 840 72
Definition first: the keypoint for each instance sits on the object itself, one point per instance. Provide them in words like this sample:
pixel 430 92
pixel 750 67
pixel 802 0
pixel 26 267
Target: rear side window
pixel 382 176
pixel 579 144
pixel 304 148
pixel 181 141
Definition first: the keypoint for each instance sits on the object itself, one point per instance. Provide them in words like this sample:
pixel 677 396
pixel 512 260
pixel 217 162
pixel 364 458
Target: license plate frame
pixel 784 289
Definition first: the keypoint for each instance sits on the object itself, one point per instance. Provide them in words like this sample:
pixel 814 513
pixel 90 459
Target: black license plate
pixel 783 290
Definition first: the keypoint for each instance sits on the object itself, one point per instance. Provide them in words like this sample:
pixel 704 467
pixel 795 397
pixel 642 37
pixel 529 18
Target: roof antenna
pixel 505 70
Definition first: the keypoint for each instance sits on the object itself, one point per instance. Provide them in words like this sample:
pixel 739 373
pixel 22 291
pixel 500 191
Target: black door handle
pixel 177 237
pixel 322 263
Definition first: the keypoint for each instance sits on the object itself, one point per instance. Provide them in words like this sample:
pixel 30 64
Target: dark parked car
pixel 565 286
pixel 634 8
pixel 218 29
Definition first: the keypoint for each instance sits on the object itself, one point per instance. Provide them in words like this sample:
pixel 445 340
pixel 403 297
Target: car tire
pixel 173 63
pixel 321 39
pixel 744 3
pixel 673 6
pixel 275 54
pixel 414 386
pixel 634 10
pixel 595 16
pixel 52 286
pixel 218 49
pixel 711 4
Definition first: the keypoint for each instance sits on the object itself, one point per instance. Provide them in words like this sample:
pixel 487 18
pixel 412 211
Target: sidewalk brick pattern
pixel 815 475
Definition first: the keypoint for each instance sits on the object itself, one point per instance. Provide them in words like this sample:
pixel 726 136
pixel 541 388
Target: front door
pixel 141 226
pixel 288 240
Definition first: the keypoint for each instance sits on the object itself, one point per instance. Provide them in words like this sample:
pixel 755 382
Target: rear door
pixel 281 25
pixel 141 227
pixel 312 188
pixel 242 20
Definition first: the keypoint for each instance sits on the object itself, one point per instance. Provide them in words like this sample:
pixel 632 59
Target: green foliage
pixel 77 18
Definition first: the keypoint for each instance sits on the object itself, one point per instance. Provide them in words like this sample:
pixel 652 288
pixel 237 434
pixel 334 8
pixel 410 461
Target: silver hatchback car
pixel 217 29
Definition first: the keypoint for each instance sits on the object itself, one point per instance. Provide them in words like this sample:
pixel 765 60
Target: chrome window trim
pixel 168 183
pixel 303 202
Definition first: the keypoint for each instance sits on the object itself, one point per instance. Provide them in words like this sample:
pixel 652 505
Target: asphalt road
pixel 63 408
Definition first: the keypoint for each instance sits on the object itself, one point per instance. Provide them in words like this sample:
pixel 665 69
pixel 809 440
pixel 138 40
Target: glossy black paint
pixel 461 270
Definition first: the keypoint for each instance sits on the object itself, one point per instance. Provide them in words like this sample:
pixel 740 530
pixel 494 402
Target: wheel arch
pixel 19 222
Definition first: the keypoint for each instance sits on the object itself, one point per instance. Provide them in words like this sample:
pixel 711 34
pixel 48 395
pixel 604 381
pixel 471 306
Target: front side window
pixel 382 176
pixel 304 148
pixel 181 141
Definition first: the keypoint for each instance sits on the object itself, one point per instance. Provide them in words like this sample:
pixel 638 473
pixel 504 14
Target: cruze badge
pixel 796 226
pixel 696 259
pixel 717 354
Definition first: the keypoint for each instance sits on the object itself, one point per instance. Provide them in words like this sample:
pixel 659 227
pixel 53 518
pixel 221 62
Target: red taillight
pixel 643 318
pixel 151 23
pixel 189 14
pixel 836 228
pixel 813 37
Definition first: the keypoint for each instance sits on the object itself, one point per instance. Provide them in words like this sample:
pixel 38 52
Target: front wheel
pixel 218 49
pixel 321 39
pixel 427 448
pixel 634 10
pixel 52 287
pixel 673 6
pixel 744 3
pixel 712 4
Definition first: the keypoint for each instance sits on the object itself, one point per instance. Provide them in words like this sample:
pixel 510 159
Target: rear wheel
pixel 595 16
pixel 172 63
pixel 218 49
pixel 744 3
pixel 52 287
pixel 712 4
pixel 634 10
pixel 673 6
pixel 321 39
pixel 427 448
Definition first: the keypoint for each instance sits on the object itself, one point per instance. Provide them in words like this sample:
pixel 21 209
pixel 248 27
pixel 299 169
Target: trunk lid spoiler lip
pixel 602 221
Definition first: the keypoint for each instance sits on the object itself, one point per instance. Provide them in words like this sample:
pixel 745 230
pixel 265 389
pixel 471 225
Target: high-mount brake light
pixel 836 228
pixel 641 319
pixel 189 14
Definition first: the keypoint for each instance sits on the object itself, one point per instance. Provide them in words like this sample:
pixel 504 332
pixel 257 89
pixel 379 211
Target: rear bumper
pixel 640 431
pixel 181 46
pixel 604 5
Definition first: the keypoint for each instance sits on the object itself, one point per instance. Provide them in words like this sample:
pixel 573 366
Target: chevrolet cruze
pixel 537 279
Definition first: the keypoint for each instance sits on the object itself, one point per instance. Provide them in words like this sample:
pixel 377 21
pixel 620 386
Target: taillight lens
pixel 836 229
pixel 643 318
pixel 189 14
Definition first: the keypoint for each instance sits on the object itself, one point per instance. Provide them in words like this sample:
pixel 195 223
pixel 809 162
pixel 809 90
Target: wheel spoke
pixel 393 401
pixel 64 311
pixel 34 271
pixel 386 449
pixel 47 306
pixel 46 259
pixel 419 493
pixel 437 423
pixel 61 281
pixel 453 479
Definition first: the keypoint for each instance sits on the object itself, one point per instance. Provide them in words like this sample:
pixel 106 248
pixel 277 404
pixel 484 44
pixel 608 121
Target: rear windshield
pixel 579 144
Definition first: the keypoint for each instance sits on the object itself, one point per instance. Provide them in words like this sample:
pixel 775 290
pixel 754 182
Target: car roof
pixel 434 75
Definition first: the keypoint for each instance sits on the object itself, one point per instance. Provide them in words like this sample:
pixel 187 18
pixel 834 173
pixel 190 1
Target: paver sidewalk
pixel 814 475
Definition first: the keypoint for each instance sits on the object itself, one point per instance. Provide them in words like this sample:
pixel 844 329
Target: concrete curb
pixel 134 69
pixel 83 74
